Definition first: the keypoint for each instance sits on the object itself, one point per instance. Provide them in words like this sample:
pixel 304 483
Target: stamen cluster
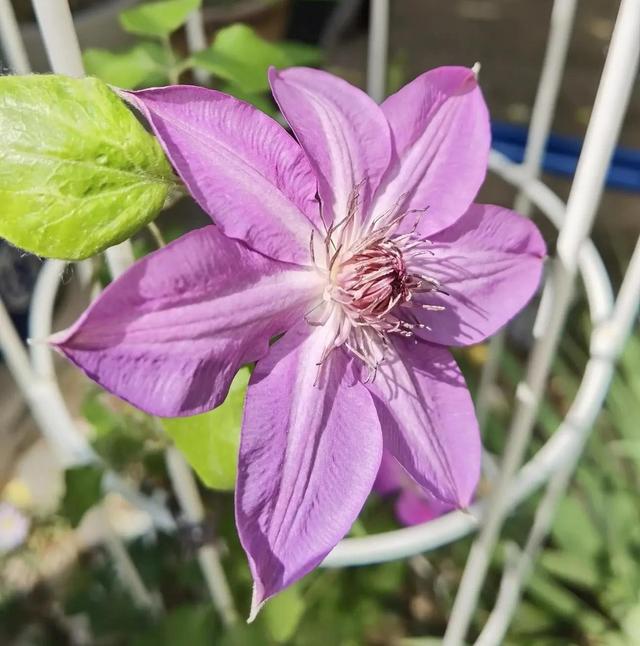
pixel 373 273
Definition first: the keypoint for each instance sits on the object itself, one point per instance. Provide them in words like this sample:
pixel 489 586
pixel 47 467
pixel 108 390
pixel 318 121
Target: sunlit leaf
pixel 157 19
pixel 143 65
pixel 78 172
pixel 209 442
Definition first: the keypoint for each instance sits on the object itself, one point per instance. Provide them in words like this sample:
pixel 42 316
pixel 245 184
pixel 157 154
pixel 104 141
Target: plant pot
pixel 96 24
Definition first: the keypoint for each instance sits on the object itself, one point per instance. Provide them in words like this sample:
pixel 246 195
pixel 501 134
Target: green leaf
pixel 192 625
pixel 631 622
pixel 529 618
pixel 574 569
pixel 157 19
pixel 563 603
pixel 78 172
pixel 83 489
pixel 574 530
pixel 300 53
pixel 210 441
pixel 238 55
pixel 283 613
pixel 143 65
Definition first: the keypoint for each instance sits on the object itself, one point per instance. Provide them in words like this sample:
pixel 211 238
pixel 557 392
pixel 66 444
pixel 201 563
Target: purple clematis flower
pixel 359 242
pixel 413 505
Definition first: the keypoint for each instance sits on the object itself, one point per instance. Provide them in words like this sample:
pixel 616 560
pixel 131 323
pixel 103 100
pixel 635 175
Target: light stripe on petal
pixel 428 421
pixel 309 454
pixel 242 167
pixel 342 130
pixel 171 332
pixel 441 134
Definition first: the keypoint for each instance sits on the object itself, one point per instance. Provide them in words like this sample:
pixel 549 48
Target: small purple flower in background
pixel 14 527
pixel 413 505
pixel 361 243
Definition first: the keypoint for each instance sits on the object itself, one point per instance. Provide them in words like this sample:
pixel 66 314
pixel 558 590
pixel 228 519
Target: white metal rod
pixel 60 39
pixel 124 565
pixel 560 28
pixel 377 50
pixel 608 342
pixel 11 39
pixel 186 490
pixel 197 41
pixel 48 412
pixel 615 87
pixel 119 258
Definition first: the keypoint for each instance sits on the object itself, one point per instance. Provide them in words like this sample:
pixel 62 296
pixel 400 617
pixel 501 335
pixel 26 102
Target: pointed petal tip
pixel 56 339
pixel 258 599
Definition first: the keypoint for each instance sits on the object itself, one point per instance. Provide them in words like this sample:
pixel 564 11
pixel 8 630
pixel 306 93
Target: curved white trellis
pixel 553 464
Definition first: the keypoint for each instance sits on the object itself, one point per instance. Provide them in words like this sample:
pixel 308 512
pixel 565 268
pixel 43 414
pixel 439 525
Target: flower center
pixel 373 275
pixel 372 281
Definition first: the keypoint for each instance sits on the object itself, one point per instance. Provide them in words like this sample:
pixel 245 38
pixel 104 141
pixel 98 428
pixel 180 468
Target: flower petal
pixel 413 508
pixel 389 477
pixel 309 453
pixel 170 334
pixel 243 168
pixel 489 263
pixel 428 421
pixel 440 130
pixel 342 130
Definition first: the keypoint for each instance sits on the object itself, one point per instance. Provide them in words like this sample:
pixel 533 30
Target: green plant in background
pixel 586 585
pixel 237 59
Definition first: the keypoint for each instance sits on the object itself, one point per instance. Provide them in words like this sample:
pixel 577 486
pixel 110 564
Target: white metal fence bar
pixel 610 105
pixel 560 28
pixel 64 445
pixel 188 496
pixel 607 344
pixel 544 107
pixel 196 41
pixel 377 50
pixel 11 40
pixel 59 36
